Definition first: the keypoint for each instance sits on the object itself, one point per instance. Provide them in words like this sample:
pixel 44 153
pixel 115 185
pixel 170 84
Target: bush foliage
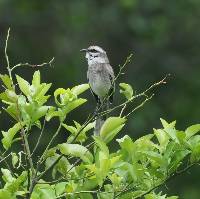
pixel 82 167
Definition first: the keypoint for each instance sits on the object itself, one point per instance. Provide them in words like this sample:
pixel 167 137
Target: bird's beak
pixel 84 50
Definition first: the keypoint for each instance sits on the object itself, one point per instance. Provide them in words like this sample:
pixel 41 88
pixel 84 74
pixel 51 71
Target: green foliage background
pixel 163 36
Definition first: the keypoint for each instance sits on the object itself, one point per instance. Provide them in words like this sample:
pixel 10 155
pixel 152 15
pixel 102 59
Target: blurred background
pixel 164 37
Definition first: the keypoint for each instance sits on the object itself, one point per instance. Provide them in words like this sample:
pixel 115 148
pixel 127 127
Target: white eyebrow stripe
pixel 97 48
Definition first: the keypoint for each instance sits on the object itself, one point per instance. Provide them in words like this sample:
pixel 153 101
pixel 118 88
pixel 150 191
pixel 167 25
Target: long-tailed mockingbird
pixel 100 75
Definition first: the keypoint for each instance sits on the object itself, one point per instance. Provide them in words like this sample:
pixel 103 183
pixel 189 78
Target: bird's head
pixel 95 54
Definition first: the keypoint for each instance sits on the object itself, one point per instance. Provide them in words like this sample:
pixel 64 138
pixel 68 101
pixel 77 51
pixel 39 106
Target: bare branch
pixel 33 65
pixel 139 106
pixel 49 144
pixel 39 139
pixel 6 46
pixel 7 58
pixel 4 158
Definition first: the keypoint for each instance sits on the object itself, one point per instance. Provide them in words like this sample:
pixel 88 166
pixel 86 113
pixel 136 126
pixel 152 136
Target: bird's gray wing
pixel 95 96
pixel 111 77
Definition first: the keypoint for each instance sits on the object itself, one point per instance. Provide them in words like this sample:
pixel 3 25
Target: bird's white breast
pixel 100 86
pixel 99 81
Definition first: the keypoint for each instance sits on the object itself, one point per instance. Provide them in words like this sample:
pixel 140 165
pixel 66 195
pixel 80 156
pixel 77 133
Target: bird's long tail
pixel 100 119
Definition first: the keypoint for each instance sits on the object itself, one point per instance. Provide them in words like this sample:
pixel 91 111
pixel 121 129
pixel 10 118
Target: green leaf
pixel 154 156
pixel 111 127
pixel 52 112
pixel 158 196
pixel 127 90
pixel 7 81
pixel 166 124
pixel 12 111
pixel 131 171
pixel 9 135
pixel 23 85
pixel 13 184
pixel 115 179
pixel 14 159
pixel 40 95
pixel 43 191
pixel 77 151
pixel 11 96
pixel 4 97
pixel 77 90
pixel 60 188
pixel 73 105
pixel 64 96
pixel 195 155
pixel 192 130
pixel 178 156
pixel 62 166
pixel 7 177
pixel 40 112
pixel 5 194
pixel 103 166
pixel 109 192
pixel 71 129
pixel 36 79
pixel 78 126
pixel 172 133
pixel 89 127
pixel 78 129
pixel 101 144
pixel 162 137
pixel 126 143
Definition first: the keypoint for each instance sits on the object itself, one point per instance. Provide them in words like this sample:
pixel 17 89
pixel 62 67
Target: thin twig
pixel 49 168
pixel 39 139
pixel 7 58
pixel 49 144
pixel 4 158
pixel 139 106
pixel 144 93
pixel 123 108
pixel 159 184
pixel 33 65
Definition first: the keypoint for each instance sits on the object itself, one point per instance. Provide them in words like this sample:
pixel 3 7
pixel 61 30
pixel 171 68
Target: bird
pixel 100 76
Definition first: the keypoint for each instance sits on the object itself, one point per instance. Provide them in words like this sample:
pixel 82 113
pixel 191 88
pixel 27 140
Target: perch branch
pixel 33 65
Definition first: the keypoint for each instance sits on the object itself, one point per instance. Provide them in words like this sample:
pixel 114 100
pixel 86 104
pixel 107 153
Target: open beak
pixel 84 50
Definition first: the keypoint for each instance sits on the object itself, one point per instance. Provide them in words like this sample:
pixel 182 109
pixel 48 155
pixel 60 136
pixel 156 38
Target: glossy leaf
pixel 77 151
pixel 9 135
pixel 77 90
pixel 14 159
pixel 7 81
pixel 73 105
pixel 23 85
pixel 36 79
pixel 127 90
pixel 192 130
pixel 111 127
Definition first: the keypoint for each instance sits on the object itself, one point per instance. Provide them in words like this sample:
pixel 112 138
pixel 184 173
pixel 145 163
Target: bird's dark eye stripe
pixel 93 50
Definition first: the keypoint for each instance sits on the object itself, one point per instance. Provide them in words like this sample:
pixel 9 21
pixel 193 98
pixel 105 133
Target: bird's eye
pixel 93 51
